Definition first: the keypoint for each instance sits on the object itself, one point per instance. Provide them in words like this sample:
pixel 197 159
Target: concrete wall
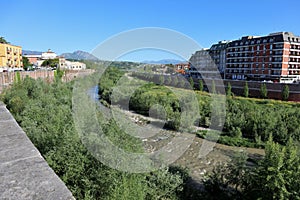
pixel 8 78
pixel 72 74
pixel 24 174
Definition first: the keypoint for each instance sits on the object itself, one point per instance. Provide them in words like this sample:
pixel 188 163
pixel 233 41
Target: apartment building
pixel 203 65
pixel 218 55
pixel 274 58
pixel 10 57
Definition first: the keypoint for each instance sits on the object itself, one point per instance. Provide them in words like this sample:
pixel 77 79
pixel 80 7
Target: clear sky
pixel 69 25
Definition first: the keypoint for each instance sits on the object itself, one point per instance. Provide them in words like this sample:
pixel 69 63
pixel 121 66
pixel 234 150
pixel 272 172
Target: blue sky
pixel 66 26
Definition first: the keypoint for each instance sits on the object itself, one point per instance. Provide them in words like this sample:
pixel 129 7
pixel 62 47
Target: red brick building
pixel 275 58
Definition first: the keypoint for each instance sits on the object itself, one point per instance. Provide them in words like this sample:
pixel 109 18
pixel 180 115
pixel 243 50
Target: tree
pixel 17 77
pixel 213 87
pixel 169 80
pixel 228 91
pixel 263 91
pixel 2 40
pixel 181 82
pixel 51 63
pixel 246 90
pixel 285 92
pixel 277 174
pixel 201 85
pixel 161 79
pixel 26 63
pixel 174 81
pixel 191 81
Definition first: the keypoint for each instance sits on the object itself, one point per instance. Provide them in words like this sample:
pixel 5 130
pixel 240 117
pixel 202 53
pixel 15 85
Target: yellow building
pixel 10 56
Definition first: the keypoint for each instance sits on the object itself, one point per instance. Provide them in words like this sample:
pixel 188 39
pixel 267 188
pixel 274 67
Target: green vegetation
pixel 2 40
pixel 175 81
pixel 44 111
pixel 161 79
pixel 273 177
pixel 248 123
pixel 201 87
pixel 107 81
pixel 26 64
pixel 246 90
pixel 18 77
pixel 263 91
pixel 53 63
pixel 228 90
pixel 285 93
pixel 213 87
pixel 247 120
pixel 191 81
pixel 232 141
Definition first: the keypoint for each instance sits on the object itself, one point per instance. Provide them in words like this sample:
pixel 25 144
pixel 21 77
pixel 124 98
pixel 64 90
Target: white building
pixel 74 65
pixel 48 55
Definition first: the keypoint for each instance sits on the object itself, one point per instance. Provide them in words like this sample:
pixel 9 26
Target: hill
pixel 29 52
pixel 79 55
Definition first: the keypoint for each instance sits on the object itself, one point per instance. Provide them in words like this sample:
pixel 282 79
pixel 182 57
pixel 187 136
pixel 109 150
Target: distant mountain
pixel 79 55
pixel 164 61
pixel 29 52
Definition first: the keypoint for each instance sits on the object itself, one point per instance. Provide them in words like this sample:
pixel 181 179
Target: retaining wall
pixel 24 174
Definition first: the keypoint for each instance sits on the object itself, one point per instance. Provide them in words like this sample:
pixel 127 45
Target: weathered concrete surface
pixel 24 174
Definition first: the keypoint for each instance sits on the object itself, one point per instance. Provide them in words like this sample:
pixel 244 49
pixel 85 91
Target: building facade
pixel 33 59
pixel 182 68
pixel 10 57
pixel 74 65
pixel 274 58
pixel 48 55
pixel 218 55
pixel 203 66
